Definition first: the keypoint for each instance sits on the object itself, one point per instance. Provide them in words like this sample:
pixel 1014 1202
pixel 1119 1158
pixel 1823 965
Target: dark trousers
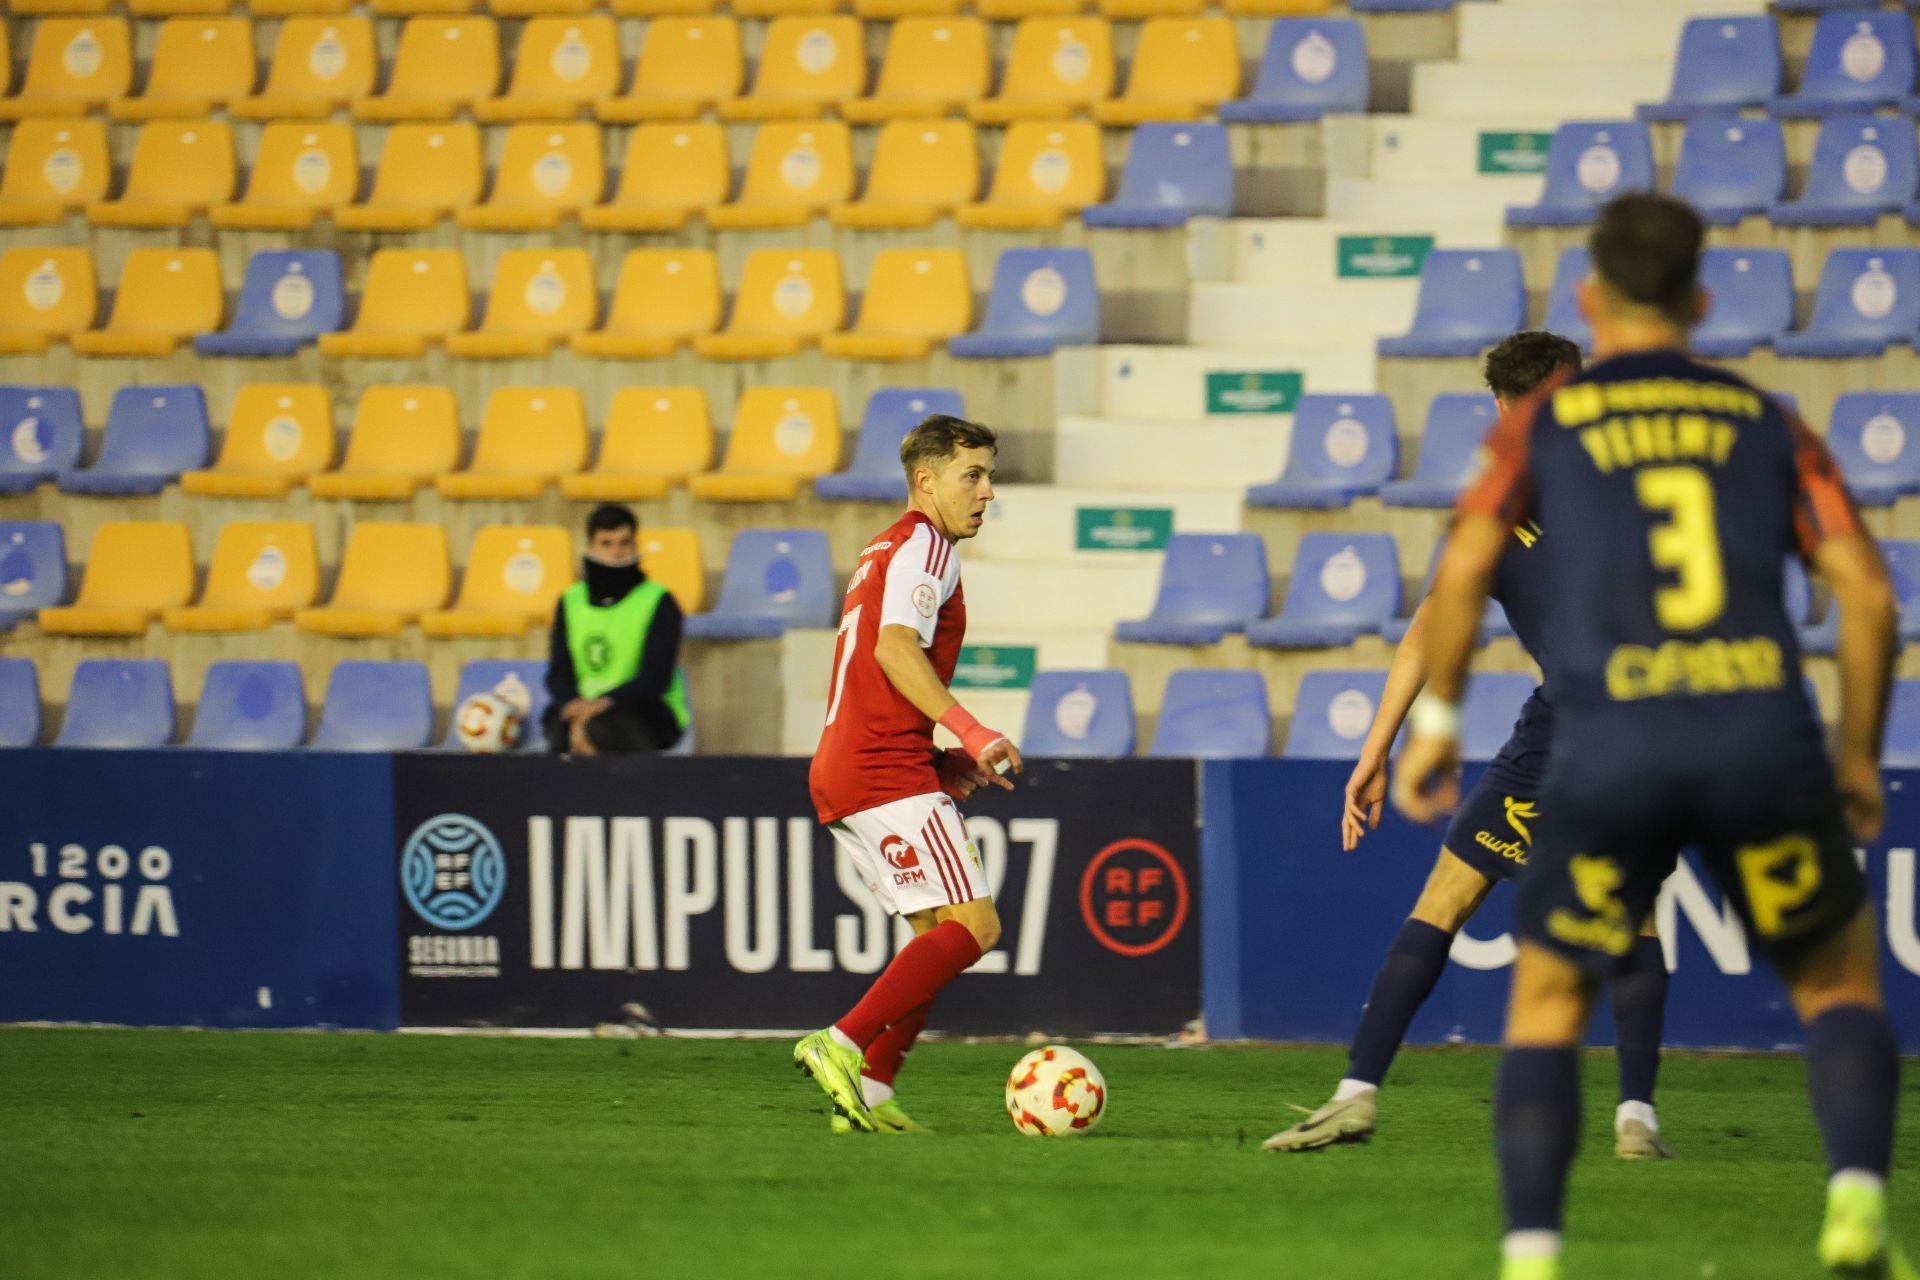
pixel 618 731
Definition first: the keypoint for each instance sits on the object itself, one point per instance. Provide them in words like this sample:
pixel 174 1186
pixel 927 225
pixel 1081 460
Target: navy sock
pixel 1853 1076
pixel 1639 995
pixel 1413 964
pixel 1536 1122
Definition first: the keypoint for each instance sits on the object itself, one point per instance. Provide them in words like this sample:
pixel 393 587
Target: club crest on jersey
pixel 925 600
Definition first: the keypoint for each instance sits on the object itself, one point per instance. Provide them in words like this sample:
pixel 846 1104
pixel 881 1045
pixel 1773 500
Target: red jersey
pixel 877 747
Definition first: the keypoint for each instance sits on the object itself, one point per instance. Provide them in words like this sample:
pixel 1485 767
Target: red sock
pixel 885 1054
pixel 915 977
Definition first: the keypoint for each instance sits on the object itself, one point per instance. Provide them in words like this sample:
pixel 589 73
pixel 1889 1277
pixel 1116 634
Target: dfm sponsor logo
pixel 77 890
pixel 628 893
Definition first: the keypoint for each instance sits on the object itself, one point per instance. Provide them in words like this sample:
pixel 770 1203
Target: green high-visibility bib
pixel 606 643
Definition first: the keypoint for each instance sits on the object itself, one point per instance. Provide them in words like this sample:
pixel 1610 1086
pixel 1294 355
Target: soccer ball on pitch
pixel 491 721
pixel 1055 1092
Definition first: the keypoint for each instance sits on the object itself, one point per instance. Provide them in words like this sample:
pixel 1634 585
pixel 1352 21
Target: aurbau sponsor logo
pixel 629 893
pixel 77 890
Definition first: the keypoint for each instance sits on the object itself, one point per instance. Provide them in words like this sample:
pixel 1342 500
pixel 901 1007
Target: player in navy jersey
pixel 1485 844
pixel 1675 492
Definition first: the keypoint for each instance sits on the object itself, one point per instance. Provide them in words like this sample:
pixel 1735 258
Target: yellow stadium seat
pixel 75 64
pixel 655 438
pixel 1122 9
pixel 1183 68
pixel 664 297
pixel 47 295
pixel 135 569
pixel 390 574
pixel 27 8
pixel 426 172
pixel 441 66
pixel 261 573
pixel 412 298
pixel 303 168
pixel 418 8
pixel 671 172
pixel 541 8
pixel 547 171
pixel 284 8
pixel 787 298
pixel 320 64
pixel 180 169
pixel 54 167
pixel 915 298
pixel 277 435
pixel 403 436
pixel 782 437
pixel 933 67
pixel 165 8
pixel 529 437
pixel 1047 169
pixel 662 8
pixel 922 170
pixel 795 173
pixel 782 8
pixel 685 66
pixel 6 60
pixel 561 66
pixel 886 9
pixel 1058 66
pixel 671 557
pixel 165 297
pixel 1277 8
pixel 515 573
pixel 539 297
pixel 198 64
pixel 1021 10
pixel 806 66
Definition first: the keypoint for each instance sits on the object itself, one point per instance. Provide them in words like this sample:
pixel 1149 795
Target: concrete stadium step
pixel 1092 594
pixel 1303 251
pixel 1578 90
pixel 1230 453
pixel 1070 527
pixel 1459 200
pixel 1338 316
pixel 1187 383
pixel 1575 31
pixel 1415 149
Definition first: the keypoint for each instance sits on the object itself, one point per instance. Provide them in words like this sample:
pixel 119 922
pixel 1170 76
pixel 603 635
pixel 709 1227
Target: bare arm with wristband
pixel 907 669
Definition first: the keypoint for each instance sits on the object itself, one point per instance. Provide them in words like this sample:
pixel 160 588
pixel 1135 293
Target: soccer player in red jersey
pixel 878 783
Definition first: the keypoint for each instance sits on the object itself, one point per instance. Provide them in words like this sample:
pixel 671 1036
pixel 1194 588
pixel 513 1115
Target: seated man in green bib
pixel 613 669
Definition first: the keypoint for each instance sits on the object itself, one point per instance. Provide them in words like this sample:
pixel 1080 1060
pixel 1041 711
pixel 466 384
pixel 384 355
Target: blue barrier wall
pixel 197 888
pixel 1296 928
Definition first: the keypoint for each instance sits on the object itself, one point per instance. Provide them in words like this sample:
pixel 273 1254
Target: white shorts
pixel 914 853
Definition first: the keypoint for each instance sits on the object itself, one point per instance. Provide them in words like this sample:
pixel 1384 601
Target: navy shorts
pixel 1493 829
pixel 1750 787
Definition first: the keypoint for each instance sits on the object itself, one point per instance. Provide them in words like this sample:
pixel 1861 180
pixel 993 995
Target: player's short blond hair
pixel 939 437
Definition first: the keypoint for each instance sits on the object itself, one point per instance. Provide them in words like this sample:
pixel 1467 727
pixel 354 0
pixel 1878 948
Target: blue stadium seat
pixel 1589 163
pixel 875 475
pixel 1723 64
pixel 775 579
pixel 1343 585
pixel 1332 711
pixel 1341 447
pixel 1563 302
pixel 118 702
pixel 1469 300
pixel 374 705
pixel 1858 61
pixel 1902 746
pixel 1875 437
pixel 1041 299
pixel 1311 66
pixel 41 434
pixel 19 703
pixel 152 435
pixel 33 569
pixel 288 299
pixel 1731 167
pixel 250 706
pixel 1798 592
pixel 1457 421
pixel 1488 709
pixel 1863 167
pixel 1210 584
pixel 1823 6
pixel 1868 299
pixel 1078 715
pixel 1752 301
pixel 1903 566
pixel 1493 618
pixel 483 675
pixel 1209 714
pixel 1174 172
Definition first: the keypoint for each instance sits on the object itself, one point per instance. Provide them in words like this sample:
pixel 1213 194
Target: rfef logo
pixel 1134 897
pixel 453 872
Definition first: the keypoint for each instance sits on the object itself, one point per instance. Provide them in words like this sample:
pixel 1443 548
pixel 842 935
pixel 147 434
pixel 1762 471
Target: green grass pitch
pixel 151 1155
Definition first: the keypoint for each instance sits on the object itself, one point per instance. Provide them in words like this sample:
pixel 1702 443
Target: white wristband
pixel 1433 718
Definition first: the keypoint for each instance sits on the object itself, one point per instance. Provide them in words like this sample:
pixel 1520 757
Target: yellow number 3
pixel 1780 876
pixel 1687 545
